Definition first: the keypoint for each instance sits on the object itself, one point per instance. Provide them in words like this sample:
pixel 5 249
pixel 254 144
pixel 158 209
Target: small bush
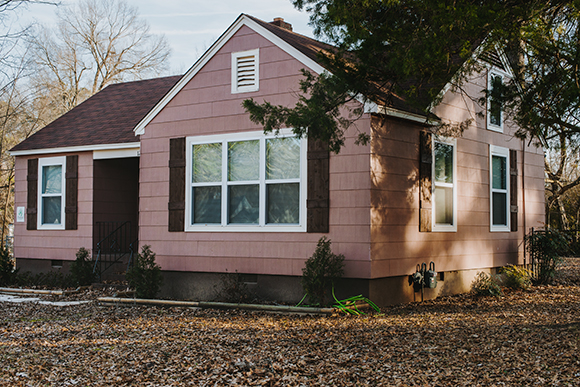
pixel 82 269
pixel 233 289
pixel 321 271
pixel 516 277
pixel 7 269
pixel 547 247
pixel 145 275
pixel 485 285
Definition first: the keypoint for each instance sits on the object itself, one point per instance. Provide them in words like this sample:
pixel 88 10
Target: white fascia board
pixel 404 115
pixel 241 21
pixel 115 153
pixel 77 149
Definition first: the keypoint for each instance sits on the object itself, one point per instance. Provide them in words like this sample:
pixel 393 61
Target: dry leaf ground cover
pixel 522 339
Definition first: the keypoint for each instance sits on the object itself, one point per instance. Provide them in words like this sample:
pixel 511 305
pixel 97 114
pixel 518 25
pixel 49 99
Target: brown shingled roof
pixel 311 48
pixel 308 46
pixel 108 117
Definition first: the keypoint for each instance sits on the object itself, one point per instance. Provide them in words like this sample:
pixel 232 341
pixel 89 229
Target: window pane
pixel 444 205
pixel 244 160
pixel 51 210
pixel 207 163
pixel 499 208
pixel 52 179
pixel 283 203
pixel 283 158
pixel 244 201
pixel 498 165
pixel 495 101
pixel 207 205
pixel 443 163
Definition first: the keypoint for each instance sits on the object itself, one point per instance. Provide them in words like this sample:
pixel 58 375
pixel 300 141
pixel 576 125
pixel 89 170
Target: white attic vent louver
pixel 245 71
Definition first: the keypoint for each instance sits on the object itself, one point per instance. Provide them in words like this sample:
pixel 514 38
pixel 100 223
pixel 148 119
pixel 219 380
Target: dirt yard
pixel 522 339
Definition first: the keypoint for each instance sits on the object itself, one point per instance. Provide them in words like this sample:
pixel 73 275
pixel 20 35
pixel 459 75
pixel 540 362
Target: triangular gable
pixel 304 50
pixel 494 57
pixel 242 20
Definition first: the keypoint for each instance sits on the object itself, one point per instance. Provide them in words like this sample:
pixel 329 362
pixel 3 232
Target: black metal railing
pixel 133 248
pixel 531 252
pixel 113 246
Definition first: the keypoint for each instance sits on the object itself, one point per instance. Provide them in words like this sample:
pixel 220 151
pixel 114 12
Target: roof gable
pixel 107 117
pixel 300 47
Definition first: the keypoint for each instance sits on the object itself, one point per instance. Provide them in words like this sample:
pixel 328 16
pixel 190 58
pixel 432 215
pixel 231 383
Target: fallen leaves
pixel 523 338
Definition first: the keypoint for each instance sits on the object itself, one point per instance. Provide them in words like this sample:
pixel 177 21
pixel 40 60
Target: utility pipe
pixel 218 305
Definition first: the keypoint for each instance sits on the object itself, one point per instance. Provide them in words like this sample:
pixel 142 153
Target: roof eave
pixel 76 149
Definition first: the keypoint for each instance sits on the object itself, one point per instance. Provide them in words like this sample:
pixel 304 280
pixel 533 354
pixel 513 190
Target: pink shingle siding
pixel 206 106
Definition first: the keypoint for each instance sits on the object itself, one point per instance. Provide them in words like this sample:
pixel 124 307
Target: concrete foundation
pixel 199 286
pixel 36 266
pixel 382 291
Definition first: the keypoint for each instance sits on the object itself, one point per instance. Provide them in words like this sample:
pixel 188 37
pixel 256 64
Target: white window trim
pixel 43 162
pixel 490 126
pixel 444 227
pixel 501 152
pixel 261 226
pixel 256 85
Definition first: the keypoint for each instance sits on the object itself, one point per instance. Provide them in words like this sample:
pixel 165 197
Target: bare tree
pixel 96 43
pixel 16 122
pixel 46 72
pixel 562 167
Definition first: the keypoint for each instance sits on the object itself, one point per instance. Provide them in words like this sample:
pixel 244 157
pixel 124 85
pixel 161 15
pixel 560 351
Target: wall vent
pixel 245 71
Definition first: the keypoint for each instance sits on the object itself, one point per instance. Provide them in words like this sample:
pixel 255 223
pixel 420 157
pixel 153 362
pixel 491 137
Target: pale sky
pixel 191 26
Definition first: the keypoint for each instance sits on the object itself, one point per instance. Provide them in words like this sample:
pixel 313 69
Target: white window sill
pixel 248 228
pixel 442 228
pixel 495 128
pixel 51 227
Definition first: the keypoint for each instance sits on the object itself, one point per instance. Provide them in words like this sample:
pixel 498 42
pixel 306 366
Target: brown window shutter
pixel 32 194
pixel 317 203
pixel 425 180
pixel 177 184
pixel 72 193
pixel 513 190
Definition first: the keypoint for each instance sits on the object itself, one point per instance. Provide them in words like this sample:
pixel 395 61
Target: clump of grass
pixel 486 285
pixel 516 277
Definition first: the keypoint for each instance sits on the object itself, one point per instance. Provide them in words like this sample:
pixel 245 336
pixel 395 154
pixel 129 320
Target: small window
pixel 245 71
pixel 444 185
pixel 495 113
pixel 246 182
pixel 51 187
pixel 499 189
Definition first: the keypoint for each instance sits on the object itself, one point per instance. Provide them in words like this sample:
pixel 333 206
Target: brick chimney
pixel 279 21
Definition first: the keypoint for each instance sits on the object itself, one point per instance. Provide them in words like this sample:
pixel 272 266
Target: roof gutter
pixel 76 149
pixel 371 107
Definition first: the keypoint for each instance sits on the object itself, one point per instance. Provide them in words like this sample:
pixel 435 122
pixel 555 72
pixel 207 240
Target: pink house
pixel 178 162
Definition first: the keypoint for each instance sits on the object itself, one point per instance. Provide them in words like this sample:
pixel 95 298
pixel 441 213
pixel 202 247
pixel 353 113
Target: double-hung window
pixel 444 184
pixel 499 188
pixel 51 193
pixel 246 182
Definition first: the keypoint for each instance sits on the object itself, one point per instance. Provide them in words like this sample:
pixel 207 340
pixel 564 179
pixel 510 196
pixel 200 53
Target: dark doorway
pixel 116 196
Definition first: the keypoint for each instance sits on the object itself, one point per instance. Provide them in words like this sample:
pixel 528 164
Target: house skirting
pixel 211 286
pixel 382 291
pixel 35 266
